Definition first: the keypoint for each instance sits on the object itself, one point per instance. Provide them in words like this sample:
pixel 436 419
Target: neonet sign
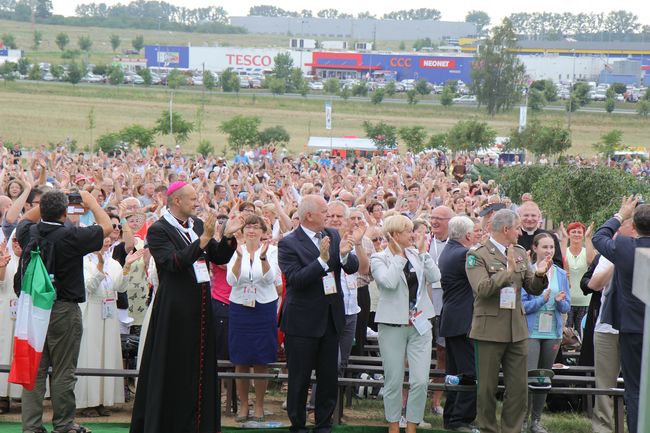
pixel 249 60
pixel 426 63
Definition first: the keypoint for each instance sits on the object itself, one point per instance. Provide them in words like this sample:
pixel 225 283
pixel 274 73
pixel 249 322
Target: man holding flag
pixel 54 339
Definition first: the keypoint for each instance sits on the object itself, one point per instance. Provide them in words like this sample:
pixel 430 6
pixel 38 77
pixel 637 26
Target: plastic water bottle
pixel 262 425
pixel 452 380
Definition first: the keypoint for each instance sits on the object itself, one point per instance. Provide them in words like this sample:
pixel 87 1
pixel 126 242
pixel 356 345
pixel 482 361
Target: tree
pixel 283 64
pixel 414 137
pixel 345 93
pixel 85 43
pixel 438 141
pixel 277 86
pixel 499 76
pixel 377 96
pixel 110 143
pixel 229 81
pixel 92 123
pixel 470 135
pixel 581 92
pixel 62 40
pixel 176 79
pixel 296 82
pixel 242 131
pixel 332 86
pixel 115 41
pixel 414 14
pixel 412 97
pixel 208 80
pixel 447 96
pixel 57 71
pixel 541 140
pixel 422 43
pixel 480 19
pixel 74 73
pixel 274 135
pixel 115 75
pixel 205 148
pixel 610 105
pixel 383 135
pixel 646 95
pixel 43 9
pixel 181 128
pixel 23 66
pixel 138 135
pixel 34 73
pixel 390 88
pixel 572 104
pixel 360 89
pixel 618 88
pixel 9 41
pixel 422 87
pixel 37 38
pixel 7 70
pixel 643 108
pixel 609 143
pixel 138 43
pixel 402 46
pixel 23 11
pixel 547 87
pixel 146 76
pixel 328 13
pixel 536 99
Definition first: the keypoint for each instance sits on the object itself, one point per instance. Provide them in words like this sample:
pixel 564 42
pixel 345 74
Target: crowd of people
pixel 303 256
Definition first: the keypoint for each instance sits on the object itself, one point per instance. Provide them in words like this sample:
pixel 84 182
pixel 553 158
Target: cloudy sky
pixel 452 11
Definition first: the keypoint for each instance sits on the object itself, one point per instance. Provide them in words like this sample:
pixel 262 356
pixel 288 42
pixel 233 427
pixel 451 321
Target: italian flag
pixel 32 320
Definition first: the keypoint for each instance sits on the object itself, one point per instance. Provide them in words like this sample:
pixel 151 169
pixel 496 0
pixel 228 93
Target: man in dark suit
pixel 456 322
pixel 627 311
pixel 313 315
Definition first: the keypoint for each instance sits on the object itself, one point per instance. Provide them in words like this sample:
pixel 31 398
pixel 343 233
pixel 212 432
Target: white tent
pixel 341 143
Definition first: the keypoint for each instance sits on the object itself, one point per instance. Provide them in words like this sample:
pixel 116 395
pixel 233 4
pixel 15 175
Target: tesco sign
pixel 437 63
pixel 249 60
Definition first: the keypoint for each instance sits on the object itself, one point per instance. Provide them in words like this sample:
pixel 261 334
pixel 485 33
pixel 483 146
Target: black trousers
pixel 460 407
pixel 631 353
pixel 305 354
pixel 363 299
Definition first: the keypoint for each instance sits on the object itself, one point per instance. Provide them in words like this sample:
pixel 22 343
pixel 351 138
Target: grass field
pixel 101 51
pixel 35 113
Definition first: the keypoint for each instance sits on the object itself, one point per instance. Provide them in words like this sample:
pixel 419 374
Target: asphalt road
pixel 323 97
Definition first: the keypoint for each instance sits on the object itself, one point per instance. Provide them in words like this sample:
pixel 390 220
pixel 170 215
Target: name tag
pixel 545 322
pixel 329 284
pixel 201 271
pixel 248 296
pixel 351 281
pixel 417 319
pixel 13 308
pixel 508 298
pixel 108 308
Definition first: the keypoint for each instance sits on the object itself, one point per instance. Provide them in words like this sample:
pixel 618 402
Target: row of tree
pixel 404 14
pixel 552 25
pixel 136 14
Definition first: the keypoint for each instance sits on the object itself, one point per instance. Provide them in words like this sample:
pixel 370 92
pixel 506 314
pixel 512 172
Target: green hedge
pixel 568 193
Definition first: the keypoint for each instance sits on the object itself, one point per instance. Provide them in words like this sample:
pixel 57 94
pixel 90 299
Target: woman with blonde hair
pixel 403 315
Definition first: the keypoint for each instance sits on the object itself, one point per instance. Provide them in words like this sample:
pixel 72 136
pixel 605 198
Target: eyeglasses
pixel 439 218
pixel 117 226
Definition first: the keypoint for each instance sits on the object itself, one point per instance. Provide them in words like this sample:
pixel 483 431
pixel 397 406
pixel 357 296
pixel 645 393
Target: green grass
pixel 40 113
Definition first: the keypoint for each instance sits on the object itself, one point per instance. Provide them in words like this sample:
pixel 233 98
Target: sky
pixel 451 11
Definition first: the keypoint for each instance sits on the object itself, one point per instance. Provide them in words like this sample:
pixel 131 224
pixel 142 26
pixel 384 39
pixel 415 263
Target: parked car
pixel 48 77
pixel 315 85
pixel 196 80
pixel 92 78
pixel 138 79
pixel 465 99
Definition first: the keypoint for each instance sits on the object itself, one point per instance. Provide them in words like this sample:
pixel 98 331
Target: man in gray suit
pixel 498 270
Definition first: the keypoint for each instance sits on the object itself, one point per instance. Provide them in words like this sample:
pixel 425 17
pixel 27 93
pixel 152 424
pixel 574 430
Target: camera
pixel 74 198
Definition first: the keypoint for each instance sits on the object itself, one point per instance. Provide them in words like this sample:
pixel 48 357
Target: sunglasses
pixel 377 239
pixel 117 226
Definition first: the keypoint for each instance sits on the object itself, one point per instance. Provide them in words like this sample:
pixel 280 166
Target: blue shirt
pixel 535 306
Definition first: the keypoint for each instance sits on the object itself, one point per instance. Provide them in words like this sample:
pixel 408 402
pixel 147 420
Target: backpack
pixel 45 244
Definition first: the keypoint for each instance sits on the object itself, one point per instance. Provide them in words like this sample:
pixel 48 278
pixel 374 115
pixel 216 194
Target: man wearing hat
pixel 177 389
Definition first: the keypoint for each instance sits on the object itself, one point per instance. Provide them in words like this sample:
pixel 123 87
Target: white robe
pixel 100 344
pixel 7 324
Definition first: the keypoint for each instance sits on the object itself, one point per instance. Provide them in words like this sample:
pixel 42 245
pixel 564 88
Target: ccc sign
pixel 400 62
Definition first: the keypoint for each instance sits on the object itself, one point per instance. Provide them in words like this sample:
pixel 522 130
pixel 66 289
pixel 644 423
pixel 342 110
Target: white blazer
pixel 388 272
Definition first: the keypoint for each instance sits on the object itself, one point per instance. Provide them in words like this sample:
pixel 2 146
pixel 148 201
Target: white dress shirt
pixel 252 275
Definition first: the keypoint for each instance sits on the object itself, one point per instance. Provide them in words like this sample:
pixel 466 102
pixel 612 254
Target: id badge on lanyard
pixel 108 305
pixel 13 308
pixel 417 319
pixel 248 297
pixel 201 271
pixel 329 284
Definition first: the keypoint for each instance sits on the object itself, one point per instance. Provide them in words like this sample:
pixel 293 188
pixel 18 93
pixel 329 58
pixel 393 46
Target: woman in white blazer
pixel 403 316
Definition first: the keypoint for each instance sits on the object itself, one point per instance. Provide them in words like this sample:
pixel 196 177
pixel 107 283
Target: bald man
pixel 531 216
